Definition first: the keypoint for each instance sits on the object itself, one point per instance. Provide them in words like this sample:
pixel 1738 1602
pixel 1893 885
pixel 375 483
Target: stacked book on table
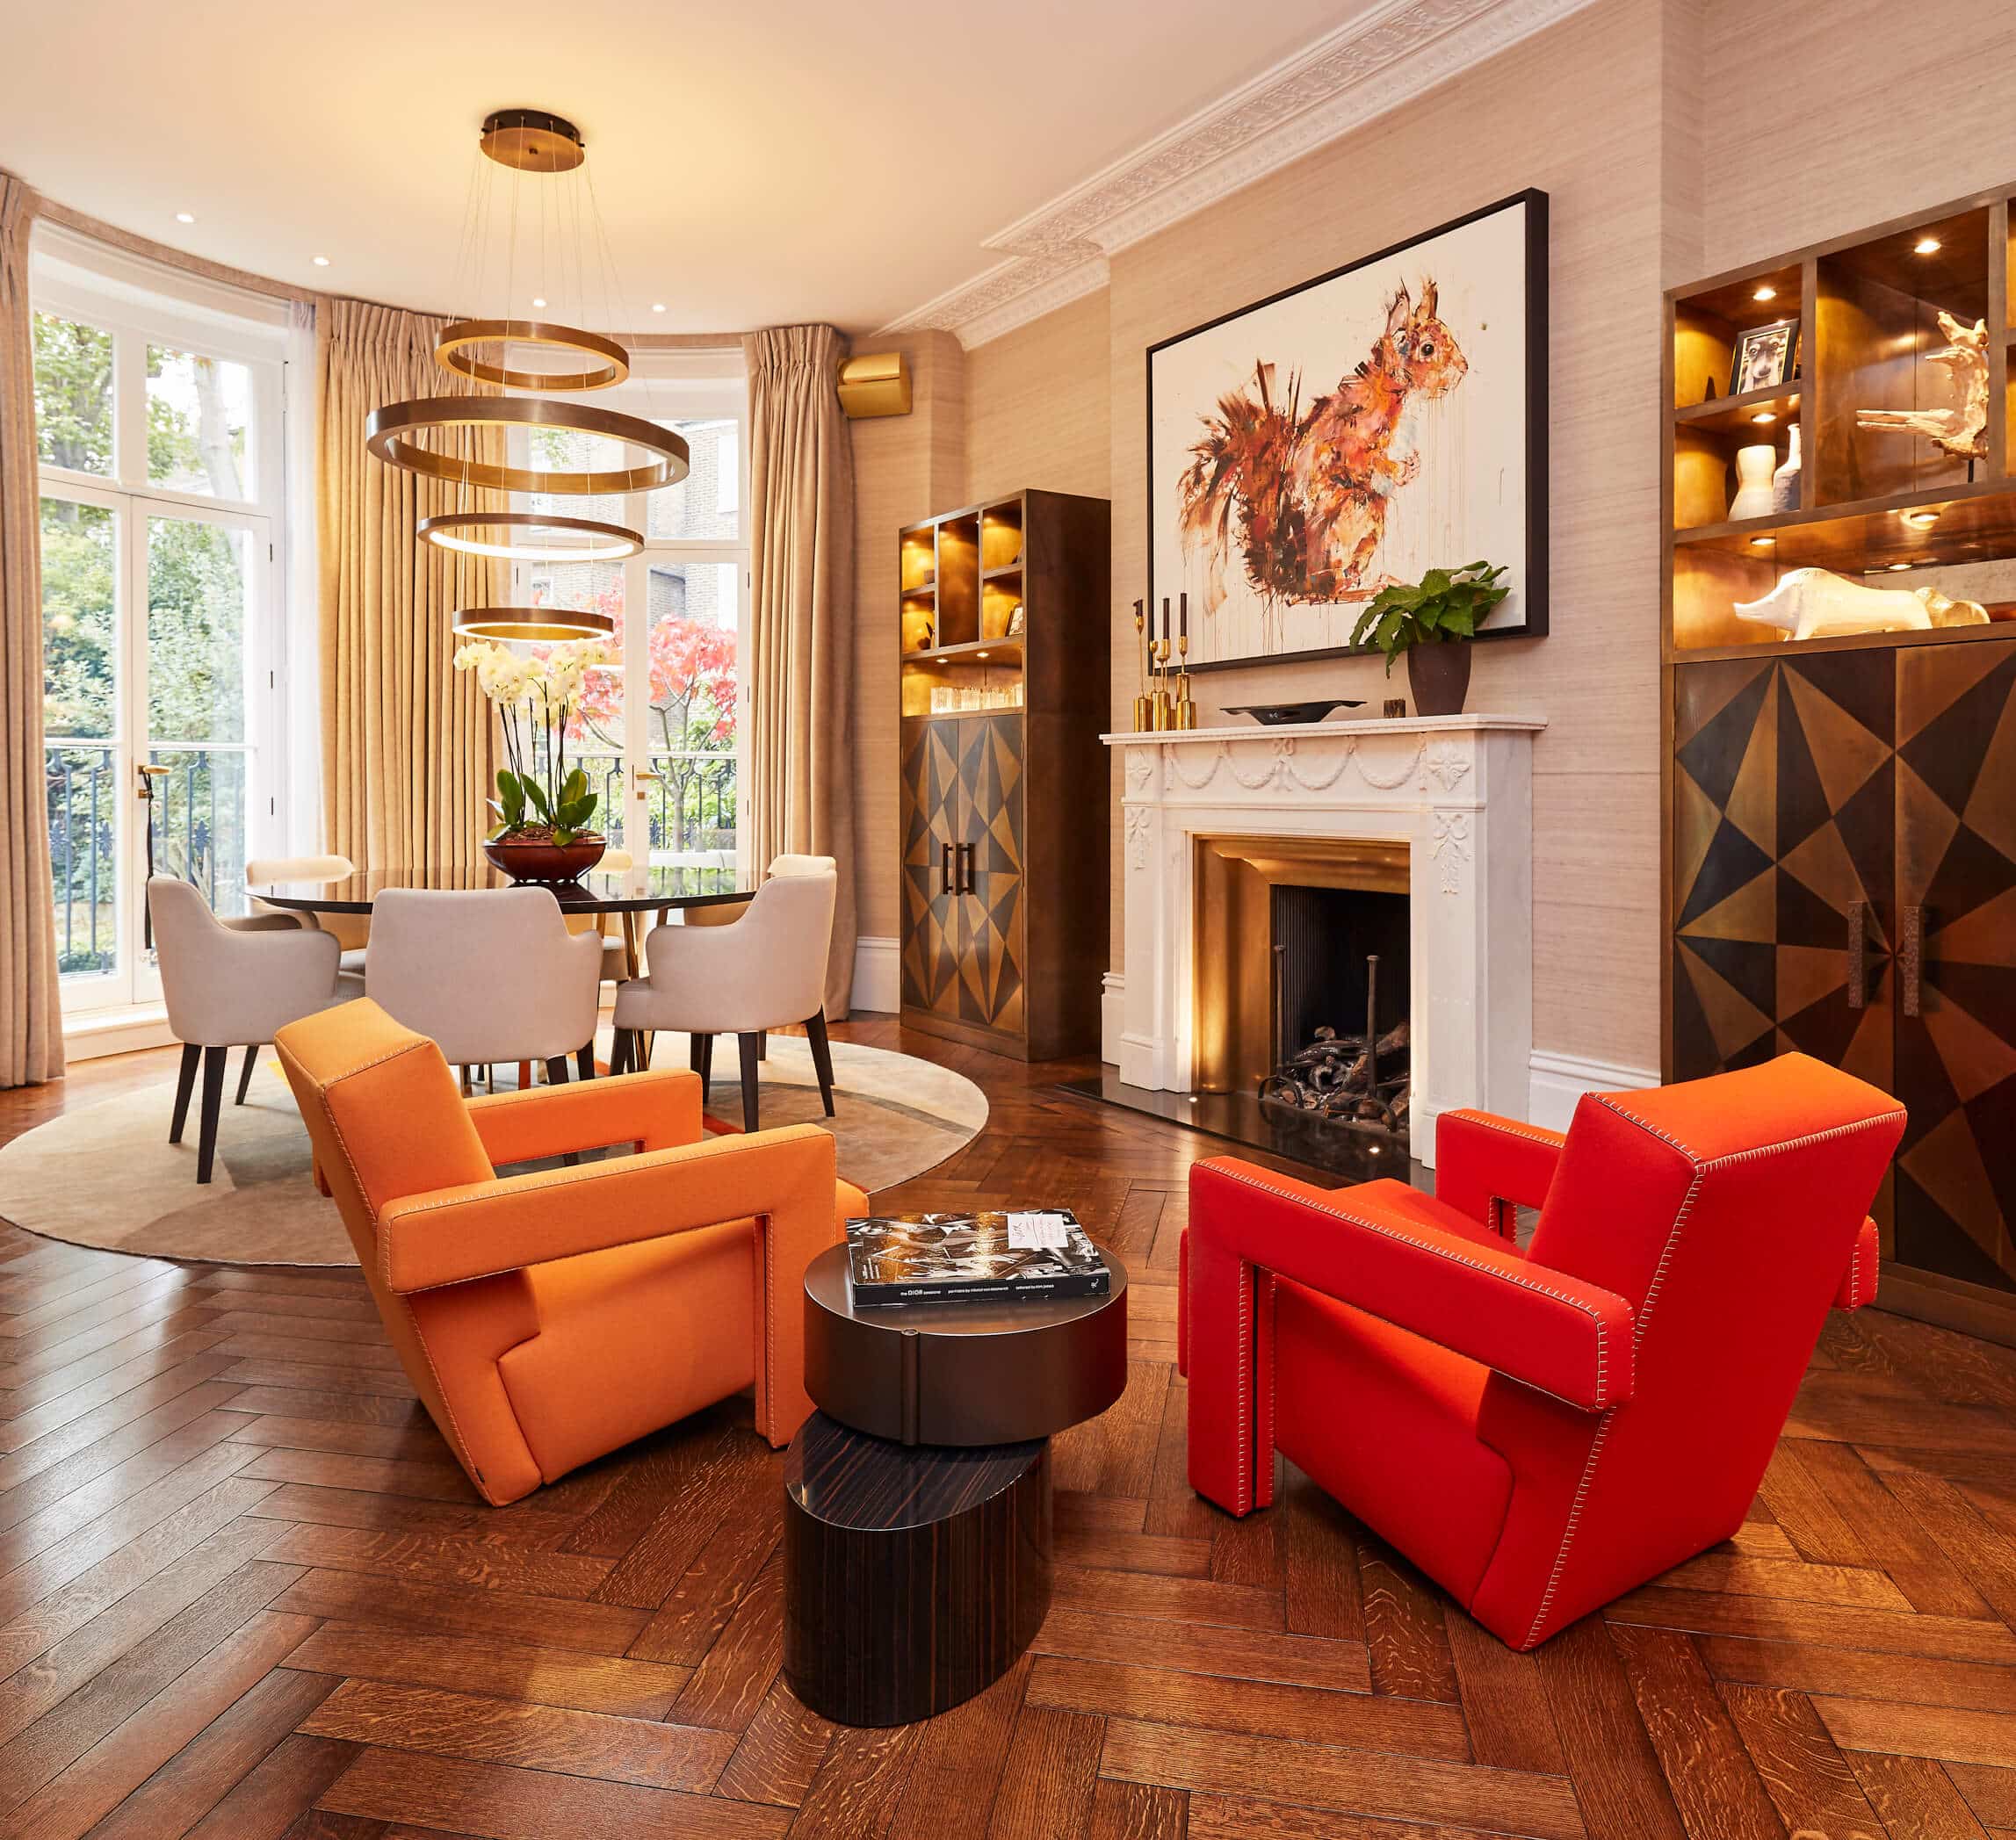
pixel 895 1258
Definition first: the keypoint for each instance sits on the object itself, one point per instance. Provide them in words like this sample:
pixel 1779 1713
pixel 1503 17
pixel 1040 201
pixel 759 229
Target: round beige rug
pixel 106 1175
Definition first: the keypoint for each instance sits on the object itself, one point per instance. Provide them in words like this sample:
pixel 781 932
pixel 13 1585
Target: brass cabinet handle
pixel 1858 954
pixel 945 868
pixel 1911 958
pixel 963 855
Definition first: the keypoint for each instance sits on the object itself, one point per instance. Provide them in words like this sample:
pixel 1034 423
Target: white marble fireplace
pixel 1457 789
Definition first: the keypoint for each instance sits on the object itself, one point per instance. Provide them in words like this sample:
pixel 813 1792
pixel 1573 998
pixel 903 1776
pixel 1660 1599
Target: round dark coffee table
pixel 917 1500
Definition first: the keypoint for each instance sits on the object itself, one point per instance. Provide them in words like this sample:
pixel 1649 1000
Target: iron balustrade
pixel 196 818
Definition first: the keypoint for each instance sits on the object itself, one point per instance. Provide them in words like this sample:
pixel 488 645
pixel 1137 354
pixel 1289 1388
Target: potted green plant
pixel 1429 620
pixel 544 808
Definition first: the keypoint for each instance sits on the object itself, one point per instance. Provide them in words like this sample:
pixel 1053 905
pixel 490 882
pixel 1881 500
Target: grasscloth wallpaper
pixel 1656 174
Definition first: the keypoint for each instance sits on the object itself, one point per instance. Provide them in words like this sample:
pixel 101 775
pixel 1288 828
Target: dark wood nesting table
pixel 917 1500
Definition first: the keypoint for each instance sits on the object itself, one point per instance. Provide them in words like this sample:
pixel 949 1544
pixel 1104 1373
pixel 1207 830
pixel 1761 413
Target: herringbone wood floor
pixel 245 1593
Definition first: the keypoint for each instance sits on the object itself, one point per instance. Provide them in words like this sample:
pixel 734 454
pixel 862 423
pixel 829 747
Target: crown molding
pixel 1367 68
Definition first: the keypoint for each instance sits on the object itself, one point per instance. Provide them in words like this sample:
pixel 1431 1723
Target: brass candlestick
pixel 1144 709
pixel 1185 710
pixel 1164 710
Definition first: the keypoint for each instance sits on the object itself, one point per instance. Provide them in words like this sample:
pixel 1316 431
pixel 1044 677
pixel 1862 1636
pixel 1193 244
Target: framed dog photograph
pixel 1384 419
pixel 1764 356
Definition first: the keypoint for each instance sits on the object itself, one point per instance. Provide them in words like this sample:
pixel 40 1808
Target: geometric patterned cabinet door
pixel 963 823
pixel 1956 1010
pixel 1783 870
pixel 1844 878
pixel 931 825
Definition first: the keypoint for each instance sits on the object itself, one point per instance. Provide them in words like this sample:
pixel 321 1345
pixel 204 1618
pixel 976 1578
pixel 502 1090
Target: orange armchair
pixel 547 1317
pixel 1538 1431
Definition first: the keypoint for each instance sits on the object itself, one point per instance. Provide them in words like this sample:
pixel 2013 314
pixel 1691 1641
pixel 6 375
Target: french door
pixel 156 686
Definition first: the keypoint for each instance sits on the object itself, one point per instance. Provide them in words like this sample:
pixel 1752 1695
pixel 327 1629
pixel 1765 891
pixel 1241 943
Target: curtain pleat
pixel 31 1007
pixel 408 745
pixel 801 543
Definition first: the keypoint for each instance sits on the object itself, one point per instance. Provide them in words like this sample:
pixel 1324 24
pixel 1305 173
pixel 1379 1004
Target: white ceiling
pixel 772 161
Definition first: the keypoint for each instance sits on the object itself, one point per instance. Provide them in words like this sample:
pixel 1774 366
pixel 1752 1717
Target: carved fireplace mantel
pixel 1457 789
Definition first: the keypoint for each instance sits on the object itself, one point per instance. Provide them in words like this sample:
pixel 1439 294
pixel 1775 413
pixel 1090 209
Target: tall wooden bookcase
pixel 1004 692
pixel 1840 812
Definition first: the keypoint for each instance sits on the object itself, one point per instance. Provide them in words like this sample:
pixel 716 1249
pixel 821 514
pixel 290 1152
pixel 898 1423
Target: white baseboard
pixel 1112 1017
pixel 1560 1080
pixel 878 974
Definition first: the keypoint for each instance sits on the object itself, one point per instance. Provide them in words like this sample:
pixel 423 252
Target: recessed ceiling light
pixel 1925 246
pixel 1764 418
pixel 1923 520
pixel 658 306
pixel 1765 293
pixel 186 217
pixel 1762 543
pixel 1896 566
pixel 321 261
pixel 537 301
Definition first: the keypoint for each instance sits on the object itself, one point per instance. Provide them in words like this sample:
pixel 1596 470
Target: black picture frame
pixel 1788 330
pixel 1533 588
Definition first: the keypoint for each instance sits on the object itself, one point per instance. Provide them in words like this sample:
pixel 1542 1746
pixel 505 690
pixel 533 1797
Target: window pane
pixel 691 724
pixel 195 630
pixel 197 815
pixel 73 395
pixel 199 423
pixel 80 649
pixel 569 450
pixel 707 502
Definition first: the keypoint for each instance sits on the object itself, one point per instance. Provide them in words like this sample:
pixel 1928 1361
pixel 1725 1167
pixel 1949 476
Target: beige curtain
pixel 31 1015
pixel 801 547
pixel 407 750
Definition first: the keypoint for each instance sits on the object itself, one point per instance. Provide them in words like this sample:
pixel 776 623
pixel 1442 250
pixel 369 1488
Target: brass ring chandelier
pixel 438 436
pixel 456 347
pixel 395 434
pixel 551 625
pixel 576 540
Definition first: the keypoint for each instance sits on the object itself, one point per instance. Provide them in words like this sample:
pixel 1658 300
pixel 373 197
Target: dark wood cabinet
pixel 1004 689
pixel 1843 882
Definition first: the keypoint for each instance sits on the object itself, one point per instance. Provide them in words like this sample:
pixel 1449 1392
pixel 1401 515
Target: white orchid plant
pixel 539 799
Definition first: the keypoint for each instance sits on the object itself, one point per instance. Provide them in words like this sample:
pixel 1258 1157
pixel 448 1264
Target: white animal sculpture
pixel 1959 432
pixel 1818 603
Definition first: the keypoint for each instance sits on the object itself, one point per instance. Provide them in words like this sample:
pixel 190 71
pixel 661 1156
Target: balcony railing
pixel 198 820
pixel 84 852
pixel 691 804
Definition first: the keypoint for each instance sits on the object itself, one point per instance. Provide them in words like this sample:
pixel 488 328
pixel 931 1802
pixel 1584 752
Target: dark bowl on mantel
pixel 1276 714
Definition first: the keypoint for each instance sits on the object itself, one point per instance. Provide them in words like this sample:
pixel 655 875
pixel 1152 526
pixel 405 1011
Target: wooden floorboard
pixel 246 1594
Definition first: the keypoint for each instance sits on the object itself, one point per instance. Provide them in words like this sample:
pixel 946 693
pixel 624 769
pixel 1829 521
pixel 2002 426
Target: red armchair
pixel 1539 1432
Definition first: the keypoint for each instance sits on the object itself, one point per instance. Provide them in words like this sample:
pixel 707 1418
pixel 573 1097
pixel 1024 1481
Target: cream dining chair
pixel 352 930
pixel 766 970
pixel 491 975
pixel 229 983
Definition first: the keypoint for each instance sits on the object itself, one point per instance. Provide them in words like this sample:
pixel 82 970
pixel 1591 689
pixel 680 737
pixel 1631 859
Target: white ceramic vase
pixel 1753 466
pixel 1785 482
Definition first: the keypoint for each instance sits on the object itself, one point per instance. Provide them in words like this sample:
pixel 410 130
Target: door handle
pixel 945 868
pixel 1911 958
pixel 1858 954
pixel 963 855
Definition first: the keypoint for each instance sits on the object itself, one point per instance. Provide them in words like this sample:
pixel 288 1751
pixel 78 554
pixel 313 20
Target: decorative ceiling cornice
pixel 1365 69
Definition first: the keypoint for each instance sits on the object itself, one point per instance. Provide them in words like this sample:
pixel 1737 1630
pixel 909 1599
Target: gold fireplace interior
pixel 1237 936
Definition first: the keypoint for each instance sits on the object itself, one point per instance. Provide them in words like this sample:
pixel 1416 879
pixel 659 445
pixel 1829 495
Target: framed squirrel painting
pixel 1384 419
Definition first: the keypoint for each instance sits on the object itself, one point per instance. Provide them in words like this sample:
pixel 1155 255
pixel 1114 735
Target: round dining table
pixel 655 890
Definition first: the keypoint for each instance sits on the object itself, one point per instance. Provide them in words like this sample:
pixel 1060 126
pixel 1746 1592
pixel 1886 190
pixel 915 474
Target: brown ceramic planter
pixel 546 864
pixel 1438 677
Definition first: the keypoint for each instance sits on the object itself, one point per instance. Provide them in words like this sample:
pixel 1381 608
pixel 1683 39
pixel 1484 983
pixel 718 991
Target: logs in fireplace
pixel 1363 1079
